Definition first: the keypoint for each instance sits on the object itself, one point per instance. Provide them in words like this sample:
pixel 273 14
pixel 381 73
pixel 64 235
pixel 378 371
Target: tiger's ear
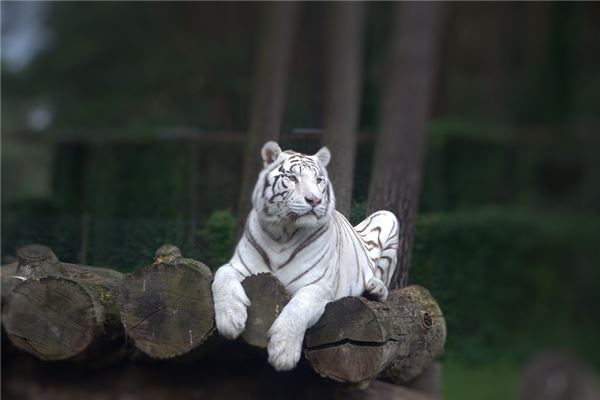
pixel 270 152
pixel 323 156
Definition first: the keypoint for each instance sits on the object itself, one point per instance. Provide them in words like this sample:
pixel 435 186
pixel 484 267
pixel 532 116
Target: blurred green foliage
pixel 510 281
pixel 218 238
pixel 509 204
pixel 130 66
pixel 493 381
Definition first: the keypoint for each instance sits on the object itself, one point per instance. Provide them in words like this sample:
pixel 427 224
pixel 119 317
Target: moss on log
pixel 59 311
pixel 267 298
pixel 356 339
pixel 167 307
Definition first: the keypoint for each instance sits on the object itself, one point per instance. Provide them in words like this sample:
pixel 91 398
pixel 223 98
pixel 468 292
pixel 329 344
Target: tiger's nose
pixel 313 200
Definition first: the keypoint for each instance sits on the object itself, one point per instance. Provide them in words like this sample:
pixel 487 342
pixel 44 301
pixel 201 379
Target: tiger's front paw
pixel 377 288
pixel 230 312
pixel 284 350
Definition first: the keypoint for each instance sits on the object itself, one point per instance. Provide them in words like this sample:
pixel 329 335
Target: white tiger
pixel 294 232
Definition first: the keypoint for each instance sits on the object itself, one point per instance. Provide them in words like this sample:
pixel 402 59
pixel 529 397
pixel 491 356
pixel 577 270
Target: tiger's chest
pixel 333 256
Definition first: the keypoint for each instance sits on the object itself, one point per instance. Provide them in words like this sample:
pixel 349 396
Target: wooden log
pixel 267 298
pixel 31 259
pixel 62 311
pixel 356 339
pixel 36 258
pixel 167 307
pixel 8 279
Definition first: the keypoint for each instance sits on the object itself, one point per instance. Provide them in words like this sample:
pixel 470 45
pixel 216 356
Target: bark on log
pixel 31 259
pixel 62 311
pixel 267 298
pixel 167 308
pixel 8 280
pixel 356 339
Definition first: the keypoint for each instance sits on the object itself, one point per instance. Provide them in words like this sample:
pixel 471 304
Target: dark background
pixel 123 127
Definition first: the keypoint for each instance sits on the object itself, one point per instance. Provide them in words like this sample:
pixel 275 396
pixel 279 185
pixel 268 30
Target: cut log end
pixel 167 309
pixel 350 341
pixel 267 298
pixel 51 318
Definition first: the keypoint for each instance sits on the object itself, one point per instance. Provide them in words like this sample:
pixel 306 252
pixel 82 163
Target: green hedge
pixel 511 281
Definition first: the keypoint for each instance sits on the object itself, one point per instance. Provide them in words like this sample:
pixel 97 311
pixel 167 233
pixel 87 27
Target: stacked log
pixel 357 339
pixel 167 307
pixel 59 311
pixel 267 298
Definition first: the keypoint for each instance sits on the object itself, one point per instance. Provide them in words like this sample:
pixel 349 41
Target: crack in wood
pixel 352 342
pixel 157 311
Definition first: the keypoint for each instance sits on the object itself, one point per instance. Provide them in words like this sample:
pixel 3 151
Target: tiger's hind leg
pixel 379 232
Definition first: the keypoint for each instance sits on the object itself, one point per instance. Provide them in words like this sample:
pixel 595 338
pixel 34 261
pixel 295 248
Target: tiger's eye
pixel 319 180
pixel 292 178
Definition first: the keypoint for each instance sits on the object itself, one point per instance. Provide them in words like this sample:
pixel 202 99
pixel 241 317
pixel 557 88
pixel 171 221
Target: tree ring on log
pixel 51 318
pixel 349 341
pixel 267 298
pixel 357 339
pixel 167 310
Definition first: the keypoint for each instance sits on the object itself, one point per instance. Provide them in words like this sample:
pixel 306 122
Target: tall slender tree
pixel 406 103
pixel 344 48
pixel 269 92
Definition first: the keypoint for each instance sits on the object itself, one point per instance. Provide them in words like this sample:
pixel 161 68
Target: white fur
pixel 310 248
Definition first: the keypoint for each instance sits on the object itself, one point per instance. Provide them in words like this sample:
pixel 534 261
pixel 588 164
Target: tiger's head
pixel 294 188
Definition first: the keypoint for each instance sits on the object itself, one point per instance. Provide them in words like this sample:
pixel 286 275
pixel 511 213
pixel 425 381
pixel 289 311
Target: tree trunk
pixel 267 298
pixel 62 311
pixel 343 96
pixel 269 93
pixel 357 339
pixel 397 169
pixel 167 308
